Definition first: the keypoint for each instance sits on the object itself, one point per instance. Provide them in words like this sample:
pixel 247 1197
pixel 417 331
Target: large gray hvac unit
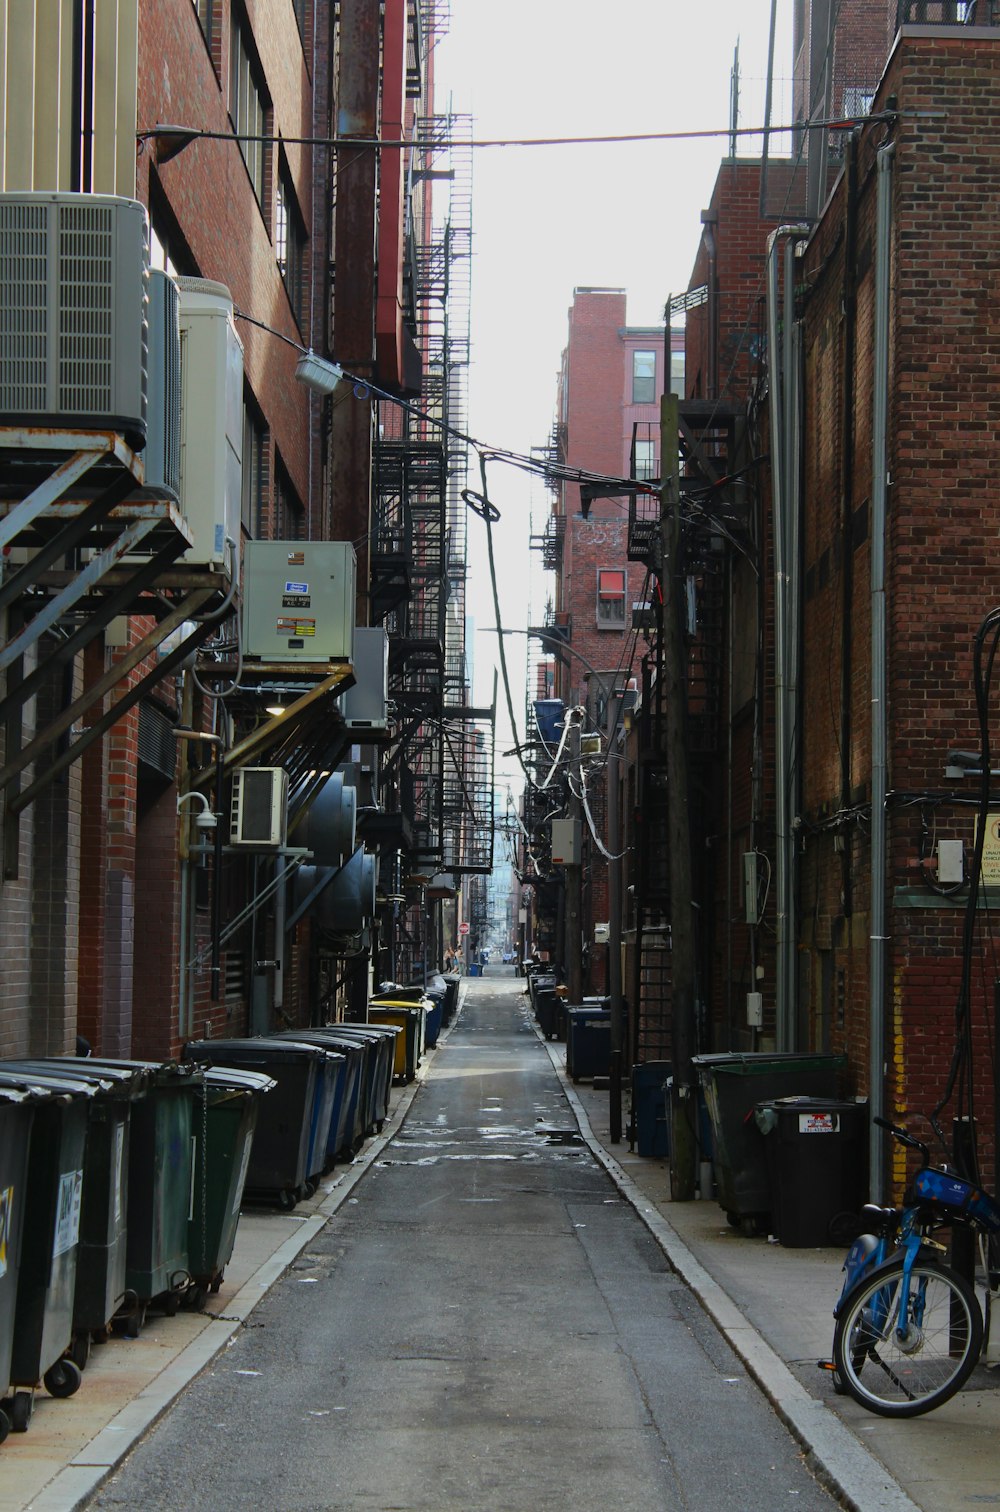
pixel 73 276
pixel 162 457
pixel 298 601
pixel 364 706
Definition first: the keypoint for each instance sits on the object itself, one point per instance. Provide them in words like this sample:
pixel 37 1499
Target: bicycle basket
pixel 949 1193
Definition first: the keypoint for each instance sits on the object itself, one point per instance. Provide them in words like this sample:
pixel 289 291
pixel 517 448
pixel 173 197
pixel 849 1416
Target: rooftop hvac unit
pixel 298 601
pixel 73 271
pixel 163 431
pixel 211 472
pixel 364 705
pixel 260 808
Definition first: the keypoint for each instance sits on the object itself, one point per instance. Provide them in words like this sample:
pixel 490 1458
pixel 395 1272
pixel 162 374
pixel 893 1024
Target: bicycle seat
pixel 879 1217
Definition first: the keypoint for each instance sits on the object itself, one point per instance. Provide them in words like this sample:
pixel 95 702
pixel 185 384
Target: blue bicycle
pixel 909 1329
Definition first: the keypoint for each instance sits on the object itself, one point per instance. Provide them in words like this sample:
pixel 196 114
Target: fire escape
pixel 714 503
pixel 441 763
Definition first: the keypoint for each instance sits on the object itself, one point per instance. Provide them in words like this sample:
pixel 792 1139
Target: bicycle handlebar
pixel 904 1138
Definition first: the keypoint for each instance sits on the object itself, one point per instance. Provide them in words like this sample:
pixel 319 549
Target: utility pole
pixel 683 1103
pixel 615 943
pixel 574 874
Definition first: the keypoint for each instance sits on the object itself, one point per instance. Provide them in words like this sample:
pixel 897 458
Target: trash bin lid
pixel 239 1078
pixel 121 1081
pixel 158 1073
pixel 760 1063
pixel 14 1091
pixel 39 1081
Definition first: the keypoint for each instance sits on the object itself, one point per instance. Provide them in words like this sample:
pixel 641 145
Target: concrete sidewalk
pixel 775 1306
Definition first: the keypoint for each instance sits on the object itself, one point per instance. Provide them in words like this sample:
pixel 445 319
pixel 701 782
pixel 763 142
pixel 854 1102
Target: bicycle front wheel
pixel 901 1360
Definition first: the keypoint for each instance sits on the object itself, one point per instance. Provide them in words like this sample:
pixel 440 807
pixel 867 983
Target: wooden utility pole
pixel 574 875
pixel 684 1103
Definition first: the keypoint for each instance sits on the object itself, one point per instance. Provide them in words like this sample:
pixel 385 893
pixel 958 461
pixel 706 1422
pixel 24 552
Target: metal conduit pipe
pixel 782 408
pixel 880 479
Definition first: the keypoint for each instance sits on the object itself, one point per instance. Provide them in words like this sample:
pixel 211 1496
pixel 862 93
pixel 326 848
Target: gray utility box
pixel 298 601
pixel 364 705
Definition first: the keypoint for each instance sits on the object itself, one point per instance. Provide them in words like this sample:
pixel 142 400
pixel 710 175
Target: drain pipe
pixel 783 417
pixel 880 481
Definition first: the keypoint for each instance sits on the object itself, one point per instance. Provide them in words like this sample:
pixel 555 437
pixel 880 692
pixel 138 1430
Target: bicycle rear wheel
pixel 901 1366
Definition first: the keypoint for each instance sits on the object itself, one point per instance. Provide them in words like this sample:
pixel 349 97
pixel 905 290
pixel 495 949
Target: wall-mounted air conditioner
pixel 73 312
pixel 364 705
pixel 298 601
pixel 211 470
pixel 163 430
pixel 259 808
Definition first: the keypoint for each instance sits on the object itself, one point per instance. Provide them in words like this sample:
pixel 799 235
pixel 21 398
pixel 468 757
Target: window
pixel 289 516
pixel 248 104
pixel 643 377
pixel 677 374
pixel 254 471
pixel 610 597
pixel 646 465
pixel 290 242
pixel 205 11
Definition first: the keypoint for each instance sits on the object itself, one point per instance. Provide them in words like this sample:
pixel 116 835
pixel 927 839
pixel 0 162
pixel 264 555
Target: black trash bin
pixel 17 1111
pixel 650 1131
pixel 588 1042
pixel 225 1119
pixel 101 1258
pixel 43 1317
pixel 817 1165
pixel 734 1084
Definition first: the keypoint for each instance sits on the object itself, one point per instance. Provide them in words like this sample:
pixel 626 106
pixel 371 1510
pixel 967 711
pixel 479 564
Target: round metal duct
pixel 348 899
pixel 331 824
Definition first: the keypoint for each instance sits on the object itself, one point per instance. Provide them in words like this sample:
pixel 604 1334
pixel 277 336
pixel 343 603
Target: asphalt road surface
pixel 485 1324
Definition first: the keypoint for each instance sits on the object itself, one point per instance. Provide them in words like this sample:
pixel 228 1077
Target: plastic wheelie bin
pixel 452 983
pixel 386 1037
pixel 734 1084
pixel 588 1042
pixel 350 1108
pixel 43 1317
pixel 816 1151
pixel 650 1132
pixel 226 1111
pixel 17 1111
pixel 101 1257
pixel 279 1157
pixel 412 1019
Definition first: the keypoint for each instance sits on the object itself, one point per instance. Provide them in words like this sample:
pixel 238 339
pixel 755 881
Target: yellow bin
pixel 410 1018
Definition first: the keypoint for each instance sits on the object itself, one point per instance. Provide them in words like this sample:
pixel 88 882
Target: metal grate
pixel 23 307
pixel 86 324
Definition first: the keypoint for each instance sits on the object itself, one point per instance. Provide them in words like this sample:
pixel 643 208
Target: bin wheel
pixel 170 1302
pixel 63 1378
pixel 79 1350
pixel 286 1200
pixel 216 1283
pixel 4 1426
pixel 101 1335
pixel 134 1321
pixel 195 1298
pixel 22 1404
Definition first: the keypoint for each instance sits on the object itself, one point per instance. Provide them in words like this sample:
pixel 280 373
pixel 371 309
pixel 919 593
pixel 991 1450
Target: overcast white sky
pixel 546 219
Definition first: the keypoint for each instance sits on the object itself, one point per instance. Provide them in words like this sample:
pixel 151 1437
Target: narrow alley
pixel 486 1324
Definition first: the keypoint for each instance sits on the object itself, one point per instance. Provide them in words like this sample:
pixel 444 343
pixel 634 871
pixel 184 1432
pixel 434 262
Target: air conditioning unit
pixel 211 466
pixel 163 431
pixel 259 808
pixel 73 276
pixel 364 705
pixel 298 601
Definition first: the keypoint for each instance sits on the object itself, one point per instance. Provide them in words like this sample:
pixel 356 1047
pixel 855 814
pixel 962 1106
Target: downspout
pixel 782 413
pixel 847 504
pixel 880 479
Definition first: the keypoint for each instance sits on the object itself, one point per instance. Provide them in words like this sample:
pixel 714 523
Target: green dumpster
pixel 734 1084
pixel 43 1318
pixel 225 1119
pixel 160 1176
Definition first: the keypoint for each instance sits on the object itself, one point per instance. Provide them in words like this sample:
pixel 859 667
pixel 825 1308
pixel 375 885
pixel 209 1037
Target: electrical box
pixel 364 705
pixel 298 601
pixel 566 842
pixel 750 887
pixel 211 470
pixel 755 1010
pixel 950 862
pixel 602 934
pixel 73 289
pixel 260 808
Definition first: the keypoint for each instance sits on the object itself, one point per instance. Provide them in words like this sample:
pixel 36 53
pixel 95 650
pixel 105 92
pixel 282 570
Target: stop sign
pixel 463 928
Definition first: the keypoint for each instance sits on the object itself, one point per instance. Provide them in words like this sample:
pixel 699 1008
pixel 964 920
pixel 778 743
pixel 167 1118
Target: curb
pixel 839 1461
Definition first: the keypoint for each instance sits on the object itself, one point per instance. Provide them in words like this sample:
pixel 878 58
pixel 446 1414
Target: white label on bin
pixel 819 1123
pixel 68 1212
pixel 6 1212
pixel 241 1180
pixel 118 1155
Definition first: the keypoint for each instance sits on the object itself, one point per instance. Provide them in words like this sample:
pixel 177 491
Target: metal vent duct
pixel 331 824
